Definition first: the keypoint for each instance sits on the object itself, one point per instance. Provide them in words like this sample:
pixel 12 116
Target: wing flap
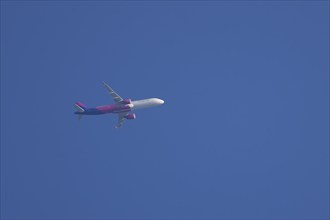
pixel 121 118
pixel 114 95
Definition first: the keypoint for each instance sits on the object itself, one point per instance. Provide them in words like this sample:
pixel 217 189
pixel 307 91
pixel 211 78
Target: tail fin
pixel 80 107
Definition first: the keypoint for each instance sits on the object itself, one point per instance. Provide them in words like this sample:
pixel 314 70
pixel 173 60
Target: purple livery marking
pixel 122 107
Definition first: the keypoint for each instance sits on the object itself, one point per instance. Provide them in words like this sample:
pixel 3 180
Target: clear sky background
pixel 243 133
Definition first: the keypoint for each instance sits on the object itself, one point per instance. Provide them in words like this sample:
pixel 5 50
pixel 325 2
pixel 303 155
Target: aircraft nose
pixel 159 101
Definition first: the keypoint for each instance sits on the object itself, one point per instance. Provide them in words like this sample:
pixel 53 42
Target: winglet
pixel 106 85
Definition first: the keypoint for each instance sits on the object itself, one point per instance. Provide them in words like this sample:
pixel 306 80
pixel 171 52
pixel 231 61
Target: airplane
pixel 122 107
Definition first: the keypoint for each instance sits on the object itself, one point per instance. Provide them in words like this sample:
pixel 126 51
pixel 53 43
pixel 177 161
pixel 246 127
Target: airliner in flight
pixel 122 107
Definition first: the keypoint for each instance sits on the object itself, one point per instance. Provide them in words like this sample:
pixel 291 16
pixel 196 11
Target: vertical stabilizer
pixel 80 107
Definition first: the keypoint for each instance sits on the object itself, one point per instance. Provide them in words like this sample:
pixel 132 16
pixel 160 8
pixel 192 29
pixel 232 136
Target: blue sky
pixel 243 133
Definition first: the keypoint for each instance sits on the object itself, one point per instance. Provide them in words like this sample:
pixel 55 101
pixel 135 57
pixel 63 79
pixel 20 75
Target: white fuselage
pixel 147 103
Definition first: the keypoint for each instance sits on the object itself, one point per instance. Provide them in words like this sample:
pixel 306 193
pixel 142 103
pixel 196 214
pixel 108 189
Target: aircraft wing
pixel 121 118
pixel 114 95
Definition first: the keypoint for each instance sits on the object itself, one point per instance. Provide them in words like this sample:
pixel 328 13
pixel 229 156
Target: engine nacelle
pixel 126 101
pixel 130 116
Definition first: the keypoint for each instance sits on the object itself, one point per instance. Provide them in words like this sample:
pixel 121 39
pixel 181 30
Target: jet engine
pixel 126 101
pixel 130 116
